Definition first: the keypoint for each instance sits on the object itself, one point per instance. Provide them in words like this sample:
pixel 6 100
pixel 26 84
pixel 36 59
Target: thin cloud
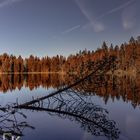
pixel 71 29
pixel 129 17
pixel 98 27
pixel 7 2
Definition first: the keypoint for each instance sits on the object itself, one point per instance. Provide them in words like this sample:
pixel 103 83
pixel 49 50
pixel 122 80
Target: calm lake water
pixel 101 108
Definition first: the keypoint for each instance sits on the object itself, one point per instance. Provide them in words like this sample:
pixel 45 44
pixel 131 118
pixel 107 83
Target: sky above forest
pixel 51 27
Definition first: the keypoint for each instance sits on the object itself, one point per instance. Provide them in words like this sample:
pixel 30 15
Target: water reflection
pixel 10 126
pixel 125 87
pixel 78 108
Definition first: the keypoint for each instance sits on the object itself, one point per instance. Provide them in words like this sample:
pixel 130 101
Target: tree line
pixel 127 54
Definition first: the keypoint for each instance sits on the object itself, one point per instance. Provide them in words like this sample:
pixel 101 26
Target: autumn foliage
pixel 128 58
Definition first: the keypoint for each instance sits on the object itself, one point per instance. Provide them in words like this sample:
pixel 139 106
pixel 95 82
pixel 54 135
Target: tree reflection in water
pixel 92 118
pixel 73 103
pixel 9 124
pixel 106 86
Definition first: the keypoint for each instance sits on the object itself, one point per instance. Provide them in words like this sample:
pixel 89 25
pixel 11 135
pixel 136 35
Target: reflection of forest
pixel 92 118
pixel 107 87
pixel 32 81
pixel 112 87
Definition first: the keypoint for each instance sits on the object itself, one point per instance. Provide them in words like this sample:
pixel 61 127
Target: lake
pixel 100 107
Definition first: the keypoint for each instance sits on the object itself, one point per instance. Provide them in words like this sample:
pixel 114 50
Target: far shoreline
pixel 6 73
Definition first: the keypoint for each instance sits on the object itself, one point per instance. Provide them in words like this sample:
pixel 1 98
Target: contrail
pixel 71 29
pixel 96 26
pixel 115 9
pixel 93 21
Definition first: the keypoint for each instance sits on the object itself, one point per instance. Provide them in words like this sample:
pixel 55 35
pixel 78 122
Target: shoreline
pixel 117 72
pixel 9 73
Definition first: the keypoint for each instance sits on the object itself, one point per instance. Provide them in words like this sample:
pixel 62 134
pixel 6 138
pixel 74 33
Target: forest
pixel 127 59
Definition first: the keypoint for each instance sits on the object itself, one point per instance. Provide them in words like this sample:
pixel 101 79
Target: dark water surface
pixel 101 108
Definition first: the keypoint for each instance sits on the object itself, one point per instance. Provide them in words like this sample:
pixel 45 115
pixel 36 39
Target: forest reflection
pixel 108 87
pixel 91 117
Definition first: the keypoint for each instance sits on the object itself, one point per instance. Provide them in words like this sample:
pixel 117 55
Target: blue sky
pixel 51 27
